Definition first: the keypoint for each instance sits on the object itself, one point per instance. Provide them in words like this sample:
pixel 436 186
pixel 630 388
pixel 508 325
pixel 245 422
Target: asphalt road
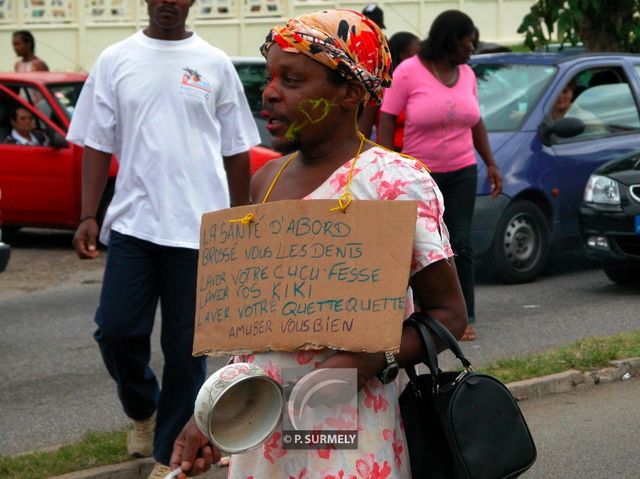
pixel 55 388
pixel 587 434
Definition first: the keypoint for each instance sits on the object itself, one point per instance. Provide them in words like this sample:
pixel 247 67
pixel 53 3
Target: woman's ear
pixel 354 95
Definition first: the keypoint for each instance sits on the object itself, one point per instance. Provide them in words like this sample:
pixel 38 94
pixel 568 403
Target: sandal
pixel 469 334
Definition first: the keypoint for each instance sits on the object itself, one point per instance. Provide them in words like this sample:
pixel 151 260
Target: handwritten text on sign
pixel 300 276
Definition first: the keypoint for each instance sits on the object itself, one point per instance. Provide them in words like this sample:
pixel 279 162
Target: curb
pixel 573 379
pixel 522 390
pixel 136 469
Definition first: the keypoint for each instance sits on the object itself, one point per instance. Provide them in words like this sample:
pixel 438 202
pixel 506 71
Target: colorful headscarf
pixel 343 40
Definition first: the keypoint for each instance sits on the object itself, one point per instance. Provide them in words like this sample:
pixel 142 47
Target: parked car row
pixel 42 183
pixel 545 162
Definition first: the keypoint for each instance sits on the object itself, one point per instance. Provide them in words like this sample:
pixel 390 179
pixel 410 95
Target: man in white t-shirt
pixel 171 108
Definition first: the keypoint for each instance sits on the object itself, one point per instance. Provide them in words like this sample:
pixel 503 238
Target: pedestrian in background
pixel 402 45
pixel 172 109
pixel 439 94
pixel 374 13
pixel 24 44
pixel 23 129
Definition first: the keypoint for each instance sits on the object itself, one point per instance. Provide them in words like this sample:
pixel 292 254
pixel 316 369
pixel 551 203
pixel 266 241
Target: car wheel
pixel 521 244
pixel 622 274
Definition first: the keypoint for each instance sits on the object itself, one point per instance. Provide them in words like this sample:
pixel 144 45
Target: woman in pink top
pixel 25 46
pixel 438 92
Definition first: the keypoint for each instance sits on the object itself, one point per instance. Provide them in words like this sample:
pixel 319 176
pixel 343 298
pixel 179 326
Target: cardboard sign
pixel 302 277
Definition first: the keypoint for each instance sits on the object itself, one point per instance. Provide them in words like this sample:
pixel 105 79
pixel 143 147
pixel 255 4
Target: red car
pixel 41 185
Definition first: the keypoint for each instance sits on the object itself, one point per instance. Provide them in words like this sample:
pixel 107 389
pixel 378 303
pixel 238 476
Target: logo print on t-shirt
pixel 193 84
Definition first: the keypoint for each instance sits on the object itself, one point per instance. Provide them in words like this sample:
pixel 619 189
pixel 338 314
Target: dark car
pixel 610 218
pixel 545 163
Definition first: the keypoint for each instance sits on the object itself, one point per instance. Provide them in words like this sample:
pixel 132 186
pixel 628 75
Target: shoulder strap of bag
pixel 443 333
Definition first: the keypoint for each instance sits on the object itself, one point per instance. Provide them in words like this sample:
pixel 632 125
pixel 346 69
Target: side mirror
pixel 57 140
pixel 567 127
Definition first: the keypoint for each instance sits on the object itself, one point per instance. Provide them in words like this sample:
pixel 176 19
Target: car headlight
pixel 603 190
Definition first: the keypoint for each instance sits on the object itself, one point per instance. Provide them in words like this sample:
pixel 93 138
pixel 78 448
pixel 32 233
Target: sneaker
pixel 140 438
pixel 159 471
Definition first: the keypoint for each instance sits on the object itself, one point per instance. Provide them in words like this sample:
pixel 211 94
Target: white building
pixel 71 33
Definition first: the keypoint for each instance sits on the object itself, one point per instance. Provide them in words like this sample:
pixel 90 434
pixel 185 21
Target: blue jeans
pixel 459 193
pixel 137 274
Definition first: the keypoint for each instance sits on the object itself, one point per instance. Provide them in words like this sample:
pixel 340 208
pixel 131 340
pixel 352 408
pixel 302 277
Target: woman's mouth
pixel 274 123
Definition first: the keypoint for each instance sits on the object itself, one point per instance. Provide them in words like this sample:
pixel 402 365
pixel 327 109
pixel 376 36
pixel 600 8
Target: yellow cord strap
pixel 277 177
pixel 249 217
pixel 245 220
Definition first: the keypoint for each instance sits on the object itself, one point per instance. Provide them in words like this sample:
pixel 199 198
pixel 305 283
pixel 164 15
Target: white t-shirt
pixel 169 111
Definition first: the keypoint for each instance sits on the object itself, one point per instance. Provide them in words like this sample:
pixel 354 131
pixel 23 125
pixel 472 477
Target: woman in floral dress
pixel 322 67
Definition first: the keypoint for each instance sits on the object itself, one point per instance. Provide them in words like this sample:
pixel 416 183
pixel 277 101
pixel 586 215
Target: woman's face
pixel 20 46
pixel 465 48
pixel 298 100
pixel 563 103
pixel 411 49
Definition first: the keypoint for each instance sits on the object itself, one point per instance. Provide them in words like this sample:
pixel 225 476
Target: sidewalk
pixel 567 381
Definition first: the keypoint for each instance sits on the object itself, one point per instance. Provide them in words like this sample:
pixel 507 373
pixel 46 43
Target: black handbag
pixel 463 424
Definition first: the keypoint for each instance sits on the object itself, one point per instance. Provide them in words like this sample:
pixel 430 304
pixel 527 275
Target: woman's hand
pixel 192 451
pixel 368 365
pixel 495 180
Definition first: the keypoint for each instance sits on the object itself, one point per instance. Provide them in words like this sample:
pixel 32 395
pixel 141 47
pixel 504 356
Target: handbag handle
pixel 443 333
pixel 432 356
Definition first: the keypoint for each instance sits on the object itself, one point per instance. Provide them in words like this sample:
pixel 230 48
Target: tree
pixel 602 25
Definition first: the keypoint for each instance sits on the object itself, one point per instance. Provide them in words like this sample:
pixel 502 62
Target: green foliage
pixel 601 25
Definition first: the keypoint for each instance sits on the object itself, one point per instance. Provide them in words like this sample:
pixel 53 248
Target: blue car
pixel 546 153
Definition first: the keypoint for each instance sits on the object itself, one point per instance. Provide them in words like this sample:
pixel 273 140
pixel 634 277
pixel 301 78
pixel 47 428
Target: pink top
pixel 439 118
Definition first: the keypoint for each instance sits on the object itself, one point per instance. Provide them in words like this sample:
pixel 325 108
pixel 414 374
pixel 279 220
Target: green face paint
pixel 314 110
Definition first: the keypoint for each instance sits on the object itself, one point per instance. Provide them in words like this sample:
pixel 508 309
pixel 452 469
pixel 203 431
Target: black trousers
pixel 138 274
pixel 459 192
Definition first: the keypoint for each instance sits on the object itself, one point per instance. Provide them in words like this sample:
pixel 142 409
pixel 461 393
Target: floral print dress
pixel 382 452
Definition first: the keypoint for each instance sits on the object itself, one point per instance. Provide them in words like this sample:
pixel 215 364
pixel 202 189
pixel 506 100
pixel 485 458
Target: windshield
pixel 67 95
pixel 507 93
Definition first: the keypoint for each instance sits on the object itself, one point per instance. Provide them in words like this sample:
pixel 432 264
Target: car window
pixel 34 97
pixel 604 102
pixel 252 76
pixel 508 93
pixel 9 107
pixel 66 94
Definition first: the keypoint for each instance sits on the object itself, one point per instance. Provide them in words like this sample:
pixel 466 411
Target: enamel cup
pixel 238 407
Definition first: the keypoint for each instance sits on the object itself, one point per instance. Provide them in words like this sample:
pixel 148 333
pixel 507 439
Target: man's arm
pixel 238 177
pixel 40 65
pixel 95 172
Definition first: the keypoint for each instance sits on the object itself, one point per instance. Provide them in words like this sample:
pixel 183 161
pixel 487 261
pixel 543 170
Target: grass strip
pixel 94 450
pixel 584 355
pixel 100 449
